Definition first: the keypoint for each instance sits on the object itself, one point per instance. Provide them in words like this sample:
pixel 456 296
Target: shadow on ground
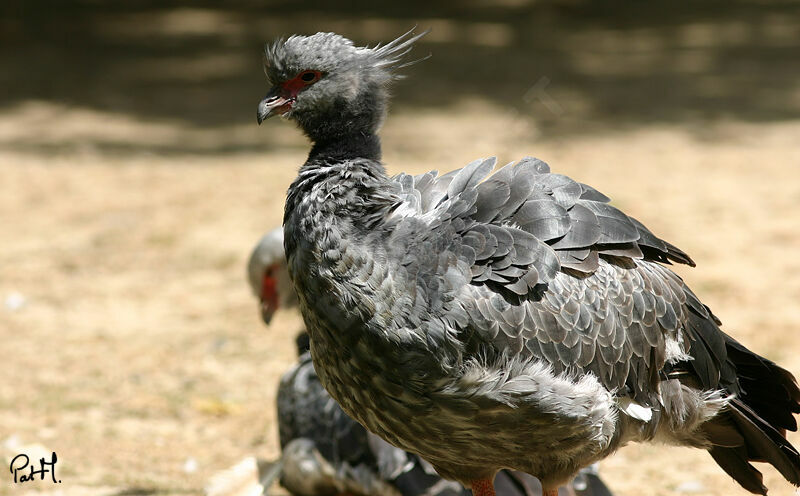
pixel 571 66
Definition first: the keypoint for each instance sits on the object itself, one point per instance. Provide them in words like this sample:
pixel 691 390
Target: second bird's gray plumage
pixel 509 319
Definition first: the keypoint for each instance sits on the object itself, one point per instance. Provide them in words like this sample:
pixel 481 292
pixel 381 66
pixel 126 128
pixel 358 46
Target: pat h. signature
pixel 21 464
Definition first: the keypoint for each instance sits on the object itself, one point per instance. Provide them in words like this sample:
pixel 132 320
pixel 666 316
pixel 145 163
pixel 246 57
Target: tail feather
pixel 752 429
pixel 734 462
pixel 764 443
pixel 768 389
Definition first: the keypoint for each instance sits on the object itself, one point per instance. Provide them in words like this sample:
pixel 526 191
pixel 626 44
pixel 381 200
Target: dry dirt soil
pixel 133 348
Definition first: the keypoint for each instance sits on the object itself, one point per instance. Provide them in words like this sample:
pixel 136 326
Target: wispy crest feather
pixel 390 56
pixel 330 52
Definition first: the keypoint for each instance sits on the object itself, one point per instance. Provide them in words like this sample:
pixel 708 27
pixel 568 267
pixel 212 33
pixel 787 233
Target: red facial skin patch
pixel 269 288
pixel 292 87
pixel 305 78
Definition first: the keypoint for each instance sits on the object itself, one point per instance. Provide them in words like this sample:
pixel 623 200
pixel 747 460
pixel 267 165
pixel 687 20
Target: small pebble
pixel 190 465
pixel 15 301
pixel 690 487
pixel 11 443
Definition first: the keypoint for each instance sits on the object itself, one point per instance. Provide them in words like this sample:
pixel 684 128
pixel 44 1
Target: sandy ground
pixel 131 344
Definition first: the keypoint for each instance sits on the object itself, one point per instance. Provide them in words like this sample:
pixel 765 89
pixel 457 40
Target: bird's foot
pixel 482 487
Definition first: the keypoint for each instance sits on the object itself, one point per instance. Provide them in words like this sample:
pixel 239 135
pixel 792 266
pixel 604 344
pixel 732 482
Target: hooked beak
pixel 273 104
pixel 267 311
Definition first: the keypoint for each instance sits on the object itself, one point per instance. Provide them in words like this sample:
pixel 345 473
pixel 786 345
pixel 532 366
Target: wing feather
pixel 544 266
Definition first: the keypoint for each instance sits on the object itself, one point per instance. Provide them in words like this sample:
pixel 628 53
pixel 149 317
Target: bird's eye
pixel 309 76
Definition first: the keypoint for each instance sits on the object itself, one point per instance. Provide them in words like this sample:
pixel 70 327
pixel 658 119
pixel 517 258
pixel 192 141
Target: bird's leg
pixel 482 487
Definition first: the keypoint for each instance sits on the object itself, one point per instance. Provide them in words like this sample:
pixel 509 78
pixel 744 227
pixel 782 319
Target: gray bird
pixel 326 452
pixel 507 320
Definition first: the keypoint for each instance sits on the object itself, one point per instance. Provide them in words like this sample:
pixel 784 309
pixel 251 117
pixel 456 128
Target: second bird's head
pixel 268 275
pixel 330 86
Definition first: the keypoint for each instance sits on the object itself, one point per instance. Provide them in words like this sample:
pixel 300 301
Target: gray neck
pixel 347 128
pixel 346 147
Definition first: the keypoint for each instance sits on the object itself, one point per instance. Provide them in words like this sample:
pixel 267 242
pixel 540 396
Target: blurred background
pixel 134 181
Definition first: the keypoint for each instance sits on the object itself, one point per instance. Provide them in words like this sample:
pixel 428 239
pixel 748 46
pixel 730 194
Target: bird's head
pixel 269 277
pixel 330 86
